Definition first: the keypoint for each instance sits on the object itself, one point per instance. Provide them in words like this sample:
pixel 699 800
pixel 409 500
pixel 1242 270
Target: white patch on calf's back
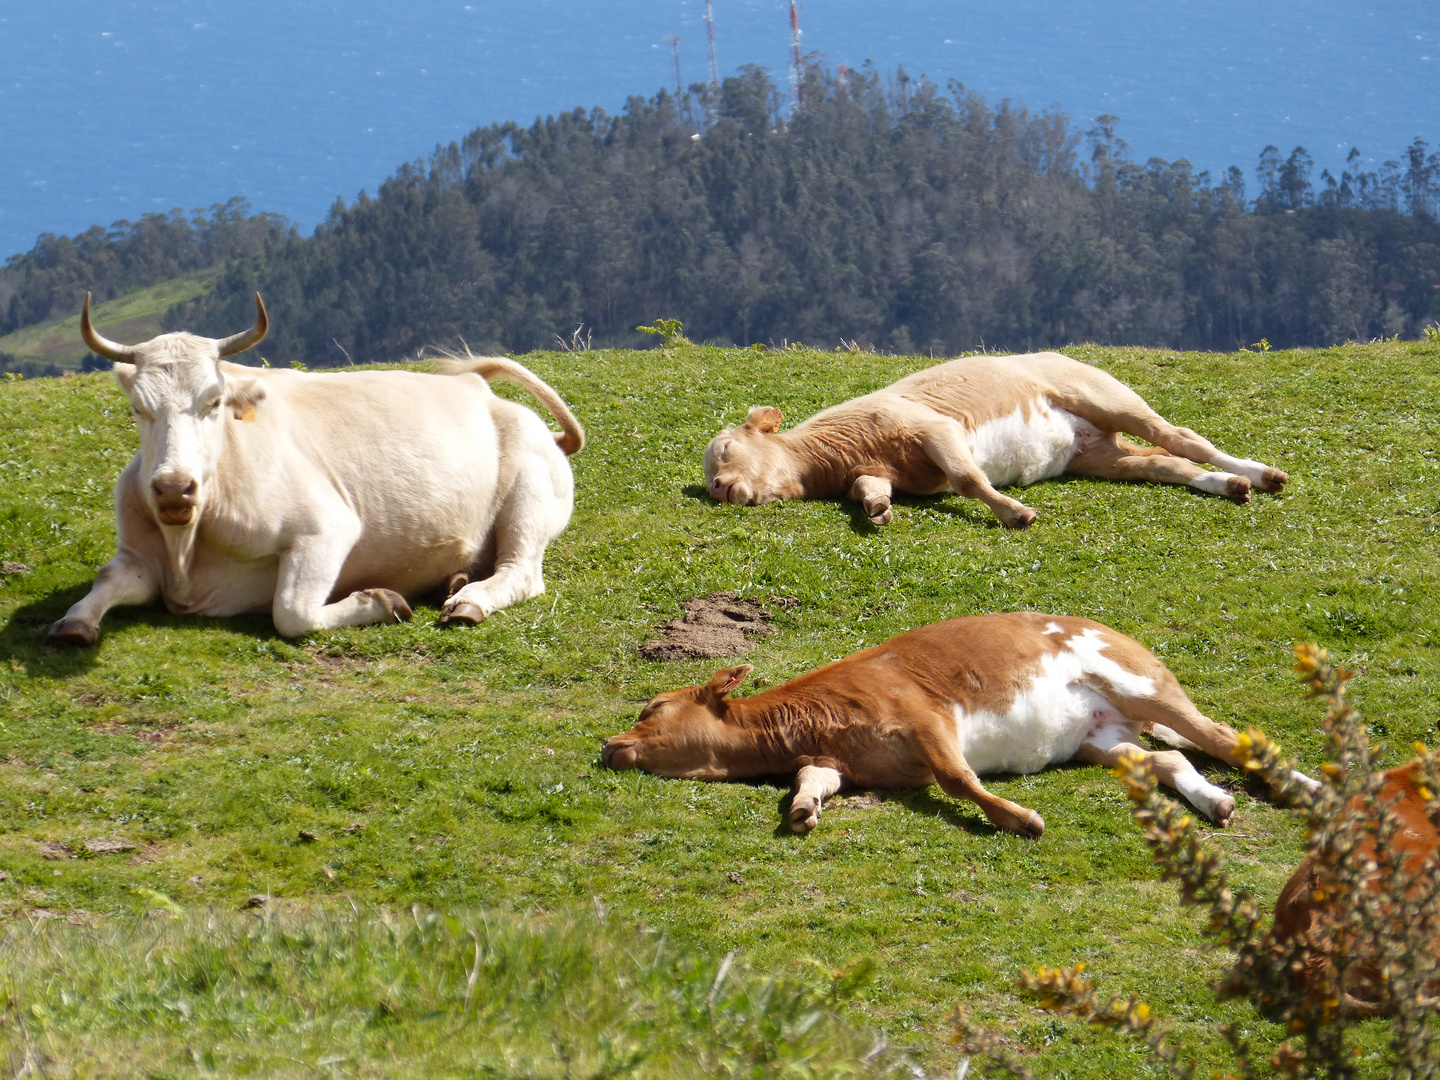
pixel 1014 450
pixel 1053 628
pixel 1049 719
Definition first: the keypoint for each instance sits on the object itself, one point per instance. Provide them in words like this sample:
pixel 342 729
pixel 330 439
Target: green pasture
pixel 425 808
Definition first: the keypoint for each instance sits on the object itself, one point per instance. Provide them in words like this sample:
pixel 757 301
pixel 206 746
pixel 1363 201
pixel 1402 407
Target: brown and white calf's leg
pixel 1114 458
pixel 1174 719
pixel 1111 741
pixel 944 444
pixel 873 492
pixel 937 746
pixel 813 785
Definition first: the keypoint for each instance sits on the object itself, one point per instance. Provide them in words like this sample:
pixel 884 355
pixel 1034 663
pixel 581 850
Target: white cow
pixel 327 498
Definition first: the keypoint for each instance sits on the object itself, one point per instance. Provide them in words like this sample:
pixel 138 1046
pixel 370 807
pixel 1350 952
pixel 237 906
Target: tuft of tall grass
pixel 410 993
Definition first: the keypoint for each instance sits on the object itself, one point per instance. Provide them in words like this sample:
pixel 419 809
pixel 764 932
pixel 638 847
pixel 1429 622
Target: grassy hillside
pixel 458 770
pixel 133 317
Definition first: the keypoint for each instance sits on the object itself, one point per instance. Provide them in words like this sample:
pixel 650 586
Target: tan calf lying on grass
pixel 970 426
pixel 1004 693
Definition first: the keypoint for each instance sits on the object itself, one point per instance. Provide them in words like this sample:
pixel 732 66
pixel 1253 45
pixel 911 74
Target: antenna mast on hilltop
pixel 712 100
pixel 796 90
pixel 674 42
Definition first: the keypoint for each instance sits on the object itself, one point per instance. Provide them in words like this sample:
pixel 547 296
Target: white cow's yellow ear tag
pixel 247 412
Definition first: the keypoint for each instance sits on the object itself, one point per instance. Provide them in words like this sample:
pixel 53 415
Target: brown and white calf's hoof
pixel 463 612
pixel 804 813
pixel 1224 811
pixel 1238 488
pixel 1023 519
pixel 70 631
pixel 1273 480
pixel 396 609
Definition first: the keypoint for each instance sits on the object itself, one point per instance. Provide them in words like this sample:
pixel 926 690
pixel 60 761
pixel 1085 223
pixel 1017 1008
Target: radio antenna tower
pixel 797 92
pixel 673 40
pixel 712 101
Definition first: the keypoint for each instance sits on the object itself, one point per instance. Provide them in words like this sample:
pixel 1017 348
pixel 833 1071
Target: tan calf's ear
pixel 764 418
pixel 241 395
pixel 727 679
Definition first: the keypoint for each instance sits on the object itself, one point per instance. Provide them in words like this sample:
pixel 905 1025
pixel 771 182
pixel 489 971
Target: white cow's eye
pixel 213 406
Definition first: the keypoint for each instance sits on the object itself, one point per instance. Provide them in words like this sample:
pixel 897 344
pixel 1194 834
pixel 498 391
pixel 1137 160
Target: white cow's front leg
pixel 128 578
pixel 307 575
pixel 813 785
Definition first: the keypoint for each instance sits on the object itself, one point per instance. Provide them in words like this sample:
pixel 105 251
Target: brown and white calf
pixel 971 426
pixel 1302 909
pixel 947 703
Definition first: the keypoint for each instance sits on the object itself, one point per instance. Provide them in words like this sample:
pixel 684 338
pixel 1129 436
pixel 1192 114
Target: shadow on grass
pixel 971 511
pixel 919 801
pixel 22 636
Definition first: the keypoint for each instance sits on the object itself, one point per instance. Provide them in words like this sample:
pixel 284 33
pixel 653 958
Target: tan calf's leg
pixel 873 492
pixel 1114 458
pixel 937 747
pixel 813 785
pixel 944 445
pixel 1115 407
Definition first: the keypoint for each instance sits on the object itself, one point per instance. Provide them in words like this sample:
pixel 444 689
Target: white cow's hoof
pixel 463 612
pixel 396 609
pixel 72 632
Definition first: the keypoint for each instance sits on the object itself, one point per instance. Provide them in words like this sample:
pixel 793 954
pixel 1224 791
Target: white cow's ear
pixel 727 679
pixel 125 375
pixel 242 395
pixel 764 418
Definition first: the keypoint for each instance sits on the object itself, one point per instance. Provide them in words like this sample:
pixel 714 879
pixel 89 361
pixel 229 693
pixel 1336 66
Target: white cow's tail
pixel 570 440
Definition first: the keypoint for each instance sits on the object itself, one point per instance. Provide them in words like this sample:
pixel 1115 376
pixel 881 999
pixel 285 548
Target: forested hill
pixel 883 211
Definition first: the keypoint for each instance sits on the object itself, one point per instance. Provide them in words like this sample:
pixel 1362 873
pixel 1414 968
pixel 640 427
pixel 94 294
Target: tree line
pixel 881 210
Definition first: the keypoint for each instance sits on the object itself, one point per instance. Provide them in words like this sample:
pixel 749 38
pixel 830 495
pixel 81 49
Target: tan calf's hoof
pixel 72 632
pixel 1273 480
pixel 1238 488
pixel 882 519
pixel 396 609
pixel 1035 827
pixel 467 613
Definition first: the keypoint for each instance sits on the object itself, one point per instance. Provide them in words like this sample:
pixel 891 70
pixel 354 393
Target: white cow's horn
pixel 111 350
pixel 240 342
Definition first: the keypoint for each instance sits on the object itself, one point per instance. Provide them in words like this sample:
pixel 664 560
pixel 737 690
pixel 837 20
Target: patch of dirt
pixel 713 626
pixel 154 732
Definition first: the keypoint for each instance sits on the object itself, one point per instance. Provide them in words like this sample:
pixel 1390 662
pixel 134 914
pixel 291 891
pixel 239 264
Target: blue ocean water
pixel 111 109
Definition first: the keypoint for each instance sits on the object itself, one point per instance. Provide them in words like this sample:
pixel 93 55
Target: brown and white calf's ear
pixel 764 418
pixel 242 395
pixel 725 680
